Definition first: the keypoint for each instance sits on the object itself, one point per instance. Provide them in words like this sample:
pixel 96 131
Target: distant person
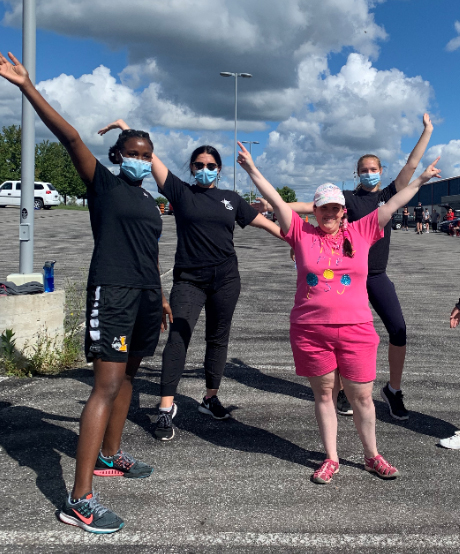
pixel 382 294
pixel 125 305
pixel 434 221
pixel 332 334
pixel 405 218
pixel 418 216
pixel 449 215
pixel 453 442
pixel 426 220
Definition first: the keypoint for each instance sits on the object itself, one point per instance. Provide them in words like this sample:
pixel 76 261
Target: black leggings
pixel 216 288
pixel 384 300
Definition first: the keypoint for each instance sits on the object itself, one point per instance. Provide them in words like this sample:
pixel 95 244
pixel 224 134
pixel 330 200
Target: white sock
pixel 394 391
pixel 166 409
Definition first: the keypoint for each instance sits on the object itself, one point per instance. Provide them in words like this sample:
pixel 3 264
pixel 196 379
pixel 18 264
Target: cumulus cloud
pixel 322 121
pixel 450 157
pixel 454 43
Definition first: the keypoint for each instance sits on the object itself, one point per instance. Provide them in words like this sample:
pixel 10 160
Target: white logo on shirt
pixel 381 203
pixel 227 204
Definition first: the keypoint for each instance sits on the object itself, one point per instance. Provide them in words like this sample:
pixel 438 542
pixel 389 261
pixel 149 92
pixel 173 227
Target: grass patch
pixel 74 207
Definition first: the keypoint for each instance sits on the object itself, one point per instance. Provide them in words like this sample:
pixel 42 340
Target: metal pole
pixel 26 225
pixel 236 117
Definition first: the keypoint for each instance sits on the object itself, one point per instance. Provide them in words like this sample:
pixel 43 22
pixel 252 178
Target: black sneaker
pixel 164 430
pixel 121 464
pixel 91 516
pixel 212 406
pixel 343 406
pixel 395 403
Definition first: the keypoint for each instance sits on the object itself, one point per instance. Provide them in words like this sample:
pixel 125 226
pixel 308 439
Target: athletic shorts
pixel 122 322
pixel 320 349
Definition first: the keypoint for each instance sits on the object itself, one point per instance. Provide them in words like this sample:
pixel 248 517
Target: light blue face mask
pixel 206 177
pixel 134 169
pixel 369 180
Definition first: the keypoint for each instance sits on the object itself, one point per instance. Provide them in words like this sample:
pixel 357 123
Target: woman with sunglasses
pixel 382 294
pixel 332 334
pixel 205 274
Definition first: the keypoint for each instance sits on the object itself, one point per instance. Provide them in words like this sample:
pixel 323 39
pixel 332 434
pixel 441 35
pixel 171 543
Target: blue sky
pixel 330 81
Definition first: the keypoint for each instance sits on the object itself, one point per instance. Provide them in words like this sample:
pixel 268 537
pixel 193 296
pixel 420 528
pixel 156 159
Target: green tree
pixel 10 153
pixel 53 164
pixel 161 200
pixel 287 194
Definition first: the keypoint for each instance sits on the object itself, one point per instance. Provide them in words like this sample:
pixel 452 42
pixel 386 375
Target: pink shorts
pixel 319 349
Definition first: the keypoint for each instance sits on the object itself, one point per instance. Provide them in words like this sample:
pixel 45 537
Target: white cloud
pixel 450 158
pixel 454 43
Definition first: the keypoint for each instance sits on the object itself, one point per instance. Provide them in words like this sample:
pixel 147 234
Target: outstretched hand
pixel 431 171
pixel 245 159
pixel 454 318
pixel 118 124
pixel 263 206
pixel 14 72
pixel 427 122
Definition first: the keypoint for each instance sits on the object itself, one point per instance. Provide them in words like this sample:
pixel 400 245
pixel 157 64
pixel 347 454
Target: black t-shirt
pixel 363 202
pixel 205 221
pixel 418 212
pixel 126 226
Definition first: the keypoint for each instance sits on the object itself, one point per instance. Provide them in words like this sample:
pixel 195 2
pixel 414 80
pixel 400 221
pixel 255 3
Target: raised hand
pixel 431 171
pixel 427 122
pixel 454 318
pixel 118 124
pixel 245 159
pixel 263 206
pixel 14 72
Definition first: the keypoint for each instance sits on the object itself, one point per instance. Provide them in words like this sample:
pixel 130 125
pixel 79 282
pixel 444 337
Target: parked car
pixel 396 221
pixel 170 209
pixel 447 226
pixel 45 195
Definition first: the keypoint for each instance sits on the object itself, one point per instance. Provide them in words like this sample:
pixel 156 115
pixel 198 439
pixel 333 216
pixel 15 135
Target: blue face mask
pixel 369 180
pixel 134 169
pixel 206 177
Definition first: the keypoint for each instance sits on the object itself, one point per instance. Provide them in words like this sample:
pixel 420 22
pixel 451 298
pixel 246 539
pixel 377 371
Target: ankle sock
pixel 166 409
pixel 394 391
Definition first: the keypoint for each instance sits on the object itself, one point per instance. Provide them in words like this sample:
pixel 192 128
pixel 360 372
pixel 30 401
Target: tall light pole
pixel 236 75
pixel 250 142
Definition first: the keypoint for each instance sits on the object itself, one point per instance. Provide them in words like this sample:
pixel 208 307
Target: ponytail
pixel 347 246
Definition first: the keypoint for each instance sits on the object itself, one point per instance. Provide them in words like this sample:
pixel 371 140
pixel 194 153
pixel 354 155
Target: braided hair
pixel 122 138
pixel 347 246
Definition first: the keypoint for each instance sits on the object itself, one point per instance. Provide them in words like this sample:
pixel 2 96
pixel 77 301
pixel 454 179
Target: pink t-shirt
pixel 331 288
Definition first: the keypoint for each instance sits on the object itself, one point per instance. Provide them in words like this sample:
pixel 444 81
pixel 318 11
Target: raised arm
pixel 118 124
pixel 298 207
pixel 406 194
pixel 262 222
pixel 83 160
pixel 282 210
pixel 405 175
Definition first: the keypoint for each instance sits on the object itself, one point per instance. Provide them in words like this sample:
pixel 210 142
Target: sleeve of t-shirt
pixel 389 191
pixel 245 213
pixel 295 230
pixel 103 179
pixel 368 227
pixel 173 188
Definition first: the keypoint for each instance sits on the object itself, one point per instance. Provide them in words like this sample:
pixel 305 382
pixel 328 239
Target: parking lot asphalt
pixel 243 485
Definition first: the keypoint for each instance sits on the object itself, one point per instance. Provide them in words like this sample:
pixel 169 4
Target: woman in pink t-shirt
pixel 331 323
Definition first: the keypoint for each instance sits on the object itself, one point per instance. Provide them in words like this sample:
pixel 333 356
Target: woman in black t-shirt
pixel 125 308
pixel 205 274
pixel 405 218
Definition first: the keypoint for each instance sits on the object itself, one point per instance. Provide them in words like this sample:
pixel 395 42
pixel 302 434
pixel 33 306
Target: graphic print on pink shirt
pixel 331 288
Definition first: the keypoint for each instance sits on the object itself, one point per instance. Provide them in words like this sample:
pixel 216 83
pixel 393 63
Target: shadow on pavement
pixel 28 438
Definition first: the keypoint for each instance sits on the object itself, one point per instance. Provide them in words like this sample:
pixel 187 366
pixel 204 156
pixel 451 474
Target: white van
pixel 45 195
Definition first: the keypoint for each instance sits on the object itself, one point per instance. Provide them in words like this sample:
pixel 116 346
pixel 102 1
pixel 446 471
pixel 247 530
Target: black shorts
pixel 122 322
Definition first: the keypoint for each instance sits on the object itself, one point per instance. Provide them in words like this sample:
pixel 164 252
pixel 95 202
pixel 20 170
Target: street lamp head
pixel 245 75
pixel 255 142
pixel 226 74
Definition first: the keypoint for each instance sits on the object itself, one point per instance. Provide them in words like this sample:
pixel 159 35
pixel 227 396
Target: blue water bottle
pixel 48 269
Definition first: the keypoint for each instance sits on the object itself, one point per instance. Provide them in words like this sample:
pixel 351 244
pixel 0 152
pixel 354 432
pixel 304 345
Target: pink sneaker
pixel 381 467
pixel 324 474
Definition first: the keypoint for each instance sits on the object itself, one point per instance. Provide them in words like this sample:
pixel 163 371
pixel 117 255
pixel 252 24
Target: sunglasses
pixel 201 165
